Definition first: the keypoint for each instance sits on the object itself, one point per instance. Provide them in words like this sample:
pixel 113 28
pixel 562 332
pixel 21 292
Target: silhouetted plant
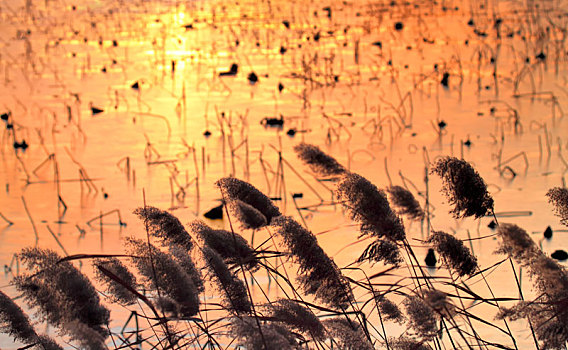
pixel 406 343
pixel 318 274
pixel 318 161
pixel 382 250
pixel 559 198
pixel 454 253
pixel 404 202
pixel 463 187
pixel 182 257
pixel 232 289
pixel 116 291
pixel 60 291
pixel 347 334
pixel 274 336
pixel 232 247
pixel 161 271
pixel 549 311
pixel 296 317
pixel 247 215
pixel 233 189
pixel 389 310
pixel 369 206
pixel 421 317
pixel 164 226
pixel 16 323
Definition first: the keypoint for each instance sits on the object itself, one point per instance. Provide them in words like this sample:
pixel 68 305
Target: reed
pixel 463 187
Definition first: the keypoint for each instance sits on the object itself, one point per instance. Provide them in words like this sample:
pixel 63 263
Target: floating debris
pixel 559 254
pixel 445 79
pixel 271 121
pixel 215 213
pixel 96 110
pixel 21 145
pixel 252 78
pixel 548 233
pixel 430 259
pixel 231 72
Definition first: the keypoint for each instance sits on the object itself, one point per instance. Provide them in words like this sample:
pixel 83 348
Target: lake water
pixel 370 82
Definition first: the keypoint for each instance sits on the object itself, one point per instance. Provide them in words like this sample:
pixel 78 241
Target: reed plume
pixel 463 187
pixel 347 334
pixel 182 257
pixel 60 291
pixel 422 318
pixel 232 288
pixel 161 272
pixel 389 310
pixel 318 161
pixel 233 189
pixel 16 323
pixel 559 198
pixel 404 203
pixel 439 302
pixel 369 206
pixel 274 336
pixel 318 274
pixel 87 337
pixel 549 311
pixel 168 306
pixel 296 317
pixel 406 343
pixel 46 343
pixel 164 226
pixel 116 291
pixel 232 247
pixel 248 216
pixel 454 253
pixel 382 250
pixel 516 243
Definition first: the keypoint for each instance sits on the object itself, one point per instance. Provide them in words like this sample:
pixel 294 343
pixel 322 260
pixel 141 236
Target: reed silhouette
pixel 160 280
